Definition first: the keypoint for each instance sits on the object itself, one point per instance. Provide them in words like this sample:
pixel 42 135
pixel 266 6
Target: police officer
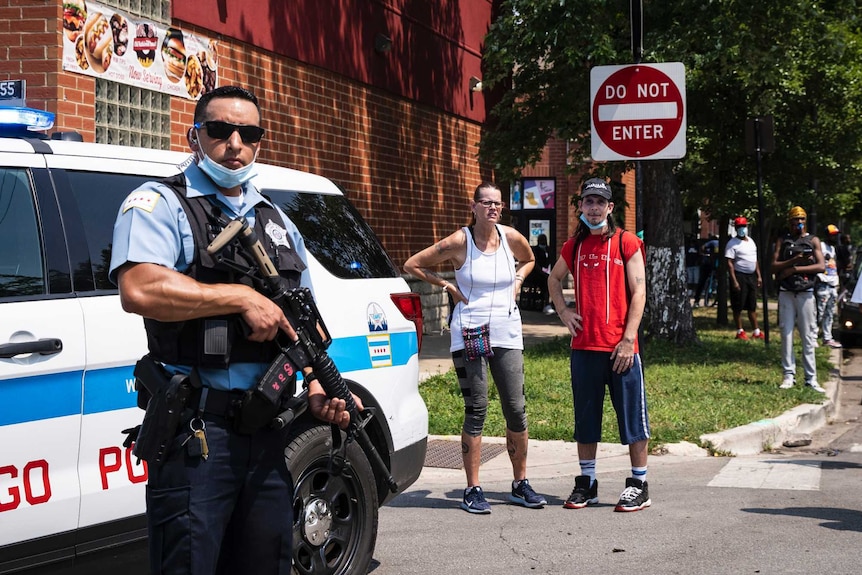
pixel 221 502
pixel 796 261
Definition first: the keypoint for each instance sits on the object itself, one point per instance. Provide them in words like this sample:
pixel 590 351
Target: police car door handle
pixel 47 346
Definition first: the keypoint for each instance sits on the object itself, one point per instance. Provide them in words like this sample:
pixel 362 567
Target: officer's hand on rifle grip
pixel 265 318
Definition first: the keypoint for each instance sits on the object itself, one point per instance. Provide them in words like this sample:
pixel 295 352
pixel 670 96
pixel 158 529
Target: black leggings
pixel 507 369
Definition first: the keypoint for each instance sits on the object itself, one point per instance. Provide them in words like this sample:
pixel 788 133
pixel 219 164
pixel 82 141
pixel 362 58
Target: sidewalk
pixel 554 458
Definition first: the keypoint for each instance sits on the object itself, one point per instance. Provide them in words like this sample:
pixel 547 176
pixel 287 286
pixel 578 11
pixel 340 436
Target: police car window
pixel 336 234
pixel 21 268
pixel 99 196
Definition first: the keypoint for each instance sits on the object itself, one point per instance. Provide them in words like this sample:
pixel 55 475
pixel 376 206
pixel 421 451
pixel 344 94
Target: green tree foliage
pixel 799 61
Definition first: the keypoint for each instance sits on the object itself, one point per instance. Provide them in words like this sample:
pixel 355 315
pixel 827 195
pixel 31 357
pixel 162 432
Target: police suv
pixel 68 486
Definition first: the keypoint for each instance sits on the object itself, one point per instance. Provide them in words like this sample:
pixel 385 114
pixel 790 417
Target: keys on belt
pixel 196 442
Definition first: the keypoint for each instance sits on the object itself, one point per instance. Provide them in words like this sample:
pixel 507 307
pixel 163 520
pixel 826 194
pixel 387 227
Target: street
pixel 804 516
pixel 794 511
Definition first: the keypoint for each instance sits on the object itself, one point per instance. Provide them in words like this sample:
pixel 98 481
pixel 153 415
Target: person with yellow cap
pixel 796 261
pixel 826 288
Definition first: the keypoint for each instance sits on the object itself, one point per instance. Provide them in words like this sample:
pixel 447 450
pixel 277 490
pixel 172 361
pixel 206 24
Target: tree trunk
pixel 669 314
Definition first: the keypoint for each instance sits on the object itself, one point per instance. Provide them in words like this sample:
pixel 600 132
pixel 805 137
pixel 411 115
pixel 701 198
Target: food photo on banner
pixel 102 42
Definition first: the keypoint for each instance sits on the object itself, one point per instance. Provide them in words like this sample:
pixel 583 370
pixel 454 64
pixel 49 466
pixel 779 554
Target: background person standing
pixel 797 259
pixel 826 288
pixel 745 279
pixel 538 278
pixel 708 265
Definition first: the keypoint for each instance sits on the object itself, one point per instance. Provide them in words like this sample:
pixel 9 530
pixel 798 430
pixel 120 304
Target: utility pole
pixel 759 139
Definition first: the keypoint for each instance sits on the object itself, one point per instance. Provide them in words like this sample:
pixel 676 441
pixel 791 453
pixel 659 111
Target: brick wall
pixel 409 169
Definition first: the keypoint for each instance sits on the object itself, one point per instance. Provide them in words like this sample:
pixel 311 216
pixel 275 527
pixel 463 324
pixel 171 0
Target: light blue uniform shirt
pixel 152 227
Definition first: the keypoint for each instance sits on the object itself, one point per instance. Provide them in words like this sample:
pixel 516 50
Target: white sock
pixel 639 473
pixel 588 468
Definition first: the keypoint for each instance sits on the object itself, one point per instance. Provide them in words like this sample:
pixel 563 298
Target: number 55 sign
pixel 12 92
pixel 638 111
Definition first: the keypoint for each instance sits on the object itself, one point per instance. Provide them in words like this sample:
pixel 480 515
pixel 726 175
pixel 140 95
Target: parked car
pixel 849 330
pixel 68 486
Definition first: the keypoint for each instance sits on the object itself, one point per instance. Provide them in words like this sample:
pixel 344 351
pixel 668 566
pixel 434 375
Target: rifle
pixel 307 353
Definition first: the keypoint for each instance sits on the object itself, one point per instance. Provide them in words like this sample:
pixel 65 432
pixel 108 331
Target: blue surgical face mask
pixel 742 232
pixel 597 226
pixel 225 177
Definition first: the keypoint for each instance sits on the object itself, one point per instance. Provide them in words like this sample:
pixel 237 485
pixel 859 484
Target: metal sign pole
pixel 637 15
pixel 758 144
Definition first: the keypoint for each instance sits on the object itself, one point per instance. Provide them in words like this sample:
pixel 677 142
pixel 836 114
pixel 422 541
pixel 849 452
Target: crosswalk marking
pixel 788 474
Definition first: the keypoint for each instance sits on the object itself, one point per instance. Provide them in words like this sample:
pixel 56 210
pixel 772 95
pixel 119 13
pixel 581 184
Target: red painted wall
pixel 436 46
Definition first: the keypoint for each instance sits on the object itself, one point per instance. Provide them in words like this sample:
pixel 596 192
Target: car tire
pixel 334 516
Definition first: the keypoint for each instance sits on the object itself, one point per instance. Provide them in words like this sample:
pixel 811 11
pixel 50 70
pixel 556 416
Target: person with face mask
pixel 826 289
pixel 744 271
pixel 796 261
pixel 608 268
pixel 220 500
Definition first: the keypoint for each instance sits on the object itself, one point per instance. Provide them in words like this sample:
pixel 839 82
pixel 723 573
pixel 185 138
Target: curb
pixel 767 434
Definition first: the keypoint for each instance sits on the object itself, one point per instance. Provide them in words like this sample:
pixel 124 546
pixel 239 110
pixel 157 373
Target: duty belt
pixel 217 402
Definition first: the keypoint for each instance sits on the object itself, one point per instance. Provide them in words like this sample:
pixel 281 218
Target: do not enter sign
pixel 638 111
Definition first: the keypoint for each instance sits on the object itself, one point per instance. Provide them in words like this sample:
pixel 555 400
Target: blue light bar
pixel 26 118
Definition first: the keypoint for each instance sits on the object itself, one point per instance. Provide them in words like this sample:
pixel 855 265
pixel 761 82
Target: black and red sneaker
pixel 635 496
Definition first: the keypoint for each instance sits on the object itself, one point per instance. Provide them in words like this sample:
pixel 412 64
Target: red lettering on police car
pixel 13 491
pixel 130 468
pixel 29 475
pixel 34 479
pixel 106 467
pixel 111 460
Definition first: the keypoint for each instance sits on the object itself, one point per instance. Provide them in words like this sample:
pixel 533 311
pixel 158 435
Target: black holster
pixel 168 397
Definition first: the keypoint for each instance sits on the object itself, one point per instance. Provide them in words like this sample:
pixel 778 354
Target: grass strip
pixel 717 384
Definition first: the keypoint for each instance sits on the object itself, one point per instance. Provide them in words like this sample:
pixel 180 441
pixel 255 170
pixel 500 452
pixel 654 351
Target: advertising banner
pixel 539 193
pixel 537 228
pixel 102 42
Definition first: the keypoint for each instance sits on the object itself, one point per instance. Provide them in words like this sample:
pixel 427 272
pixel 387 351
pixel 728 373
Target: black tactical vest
pixel 216 342
pixel 790 247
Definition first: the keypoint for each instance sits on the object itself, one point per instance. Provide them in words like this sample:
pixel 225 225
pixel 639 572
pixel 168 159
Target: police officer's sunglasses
pixel 224 130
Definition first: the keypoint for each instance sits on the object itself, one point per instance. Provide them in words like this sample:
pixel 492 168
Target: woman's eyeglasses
pixel 224 130
pixel 490 204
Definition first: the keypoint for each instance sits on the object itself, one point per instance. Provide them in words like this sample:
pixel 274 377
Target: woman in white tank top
pixel 490 262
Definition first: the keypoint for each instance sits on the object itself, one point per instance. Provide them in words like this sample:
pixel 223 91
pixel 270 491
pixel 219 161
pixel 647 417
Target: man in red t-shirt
pixel 607 265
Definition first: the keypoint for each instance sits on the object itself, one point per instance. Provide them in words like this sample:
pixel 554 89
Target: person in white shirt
pixel 826 288
pixel 744 270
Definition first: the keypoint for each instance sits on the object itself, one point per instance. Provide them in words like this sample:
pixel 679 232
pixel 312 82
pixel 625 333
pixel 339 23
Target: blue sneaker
pixel 474 501
pixel 523 494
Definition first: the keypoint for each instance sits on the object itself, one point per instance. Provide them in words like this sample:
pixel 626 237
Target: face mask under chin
pixel 225 177
pixel 597 226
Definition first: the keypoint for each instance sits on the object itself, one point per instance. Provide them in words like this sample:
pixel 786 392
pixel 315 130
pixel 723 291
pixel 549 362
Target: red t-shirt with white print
pixel 600 288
